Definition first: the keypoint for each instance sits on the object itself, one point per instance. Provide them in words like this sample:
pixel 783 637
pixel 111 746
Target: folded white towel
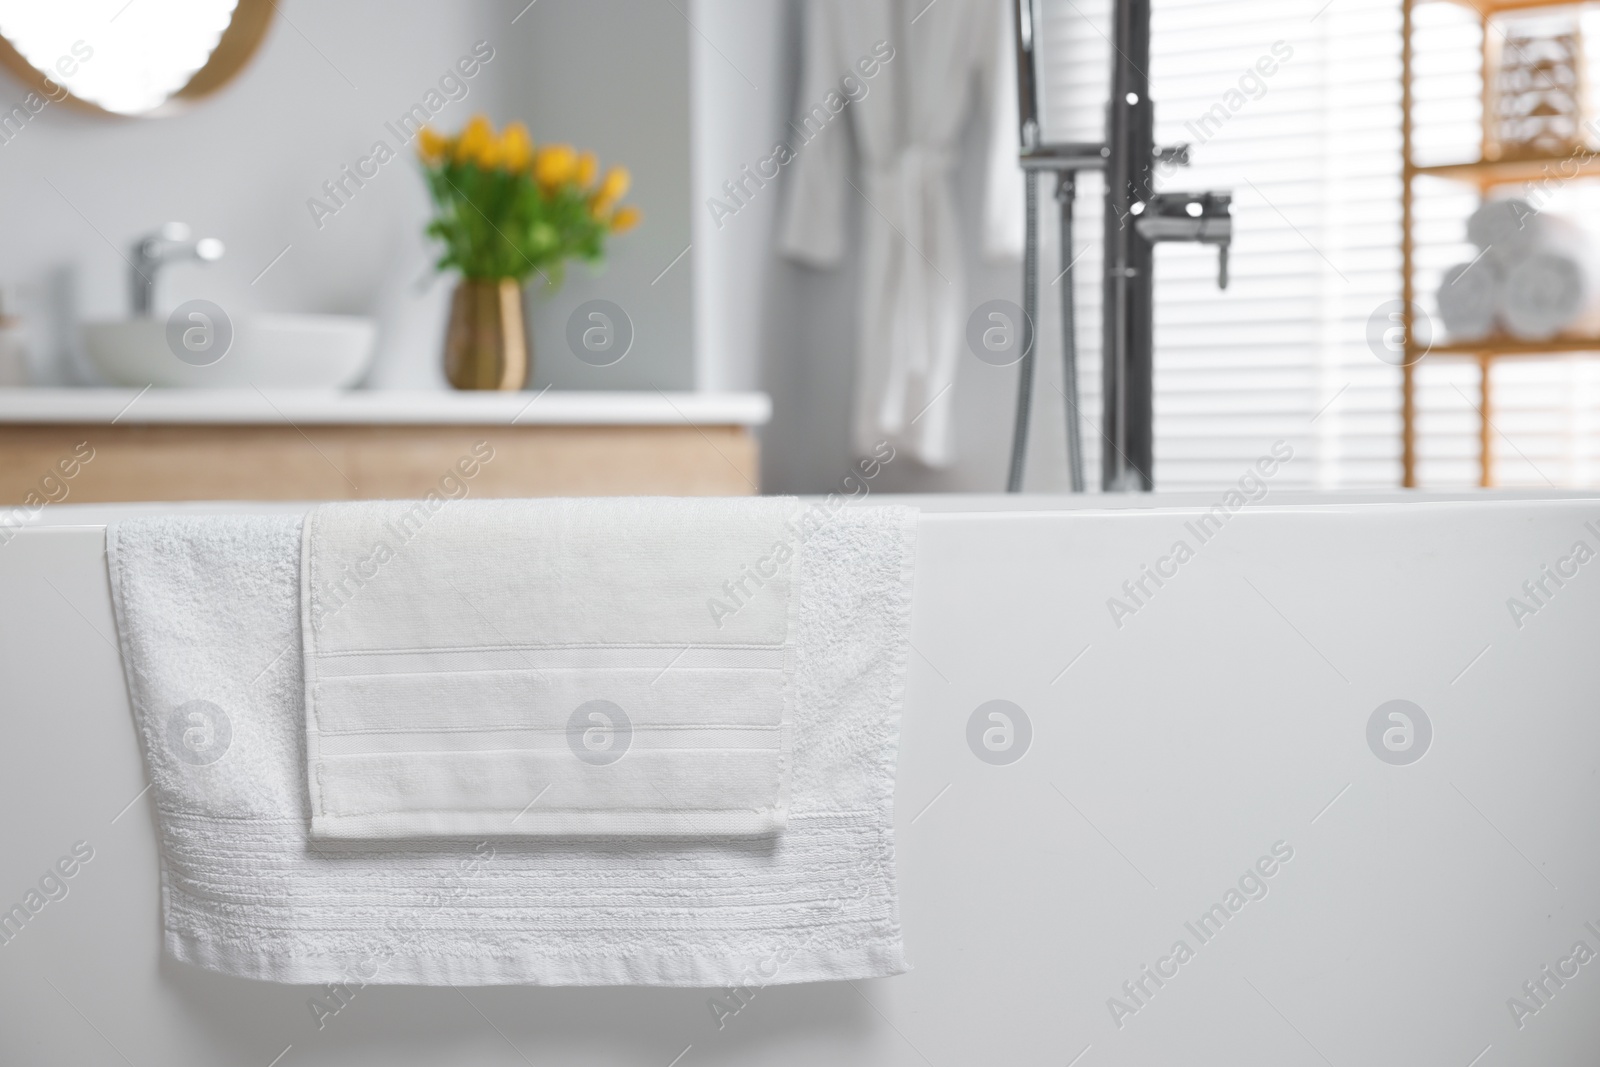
pixel 513 667
pixel 1469 300
pixel 208 612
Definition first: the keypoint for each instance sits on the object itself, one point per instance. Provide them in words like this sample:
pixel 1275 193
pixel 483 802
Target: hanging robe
pixel 948 57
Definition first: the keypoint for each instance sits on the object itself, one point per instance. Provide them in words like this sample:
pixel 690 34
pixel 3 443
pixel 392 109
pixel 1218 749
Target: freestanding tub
pixel 1202 751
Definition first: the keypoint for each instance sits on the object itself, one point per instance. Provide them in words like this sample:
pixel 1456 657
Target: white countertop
pixel 550 407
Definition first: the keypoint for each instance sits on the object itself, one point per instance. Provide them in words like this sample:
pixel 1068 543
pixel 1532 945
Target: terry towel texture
pixel 515 667
pixel 209 617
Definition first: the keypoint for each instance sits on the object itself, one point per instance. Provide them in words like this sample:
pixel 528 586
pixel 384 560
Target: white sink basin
pixel 269 351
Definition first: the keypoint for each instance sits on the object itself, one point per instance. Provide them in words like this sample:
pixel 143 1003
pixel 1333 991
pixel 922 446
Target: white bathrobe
pixel 914 305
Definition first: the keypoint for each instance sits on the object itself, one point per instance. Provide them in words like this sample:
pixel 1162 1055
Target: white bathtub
pixel 1224 724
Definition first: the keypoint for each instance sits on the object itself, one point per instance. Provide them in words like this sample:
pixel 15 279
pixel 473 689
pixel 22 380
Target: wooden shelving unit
pixel 1484 174
pixel 1489 173
pixel 1495 7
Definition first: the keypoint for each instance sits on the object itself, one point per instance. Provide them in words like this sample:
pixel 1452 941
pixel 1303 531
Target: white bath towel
pixel 1469 300
pixel 627 662
pixel 1508 229
pixel 1545 293
pixel 208 612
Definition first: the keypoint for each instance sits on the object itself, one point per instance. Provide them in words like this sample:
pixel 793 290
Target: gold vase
pixel 486 346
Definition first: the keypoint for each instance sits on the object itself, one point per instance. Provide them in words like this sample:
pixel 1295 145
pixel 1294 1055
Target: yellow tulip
pixel 554 164
pixel 588 167
pixel 477 135
pixel 516 147
pixel 625 219
pixel 432 146
pixel 615 187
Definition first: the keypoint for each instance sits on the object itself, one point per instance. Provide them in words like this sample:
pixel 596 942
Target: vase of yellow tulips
pixel 505 210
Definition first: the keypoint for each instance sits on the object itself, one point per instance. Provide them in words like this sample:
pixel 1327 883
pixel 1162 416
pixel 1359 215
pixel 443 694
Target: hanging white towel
pixel 208 615
pixel 627 662
pixel 913 303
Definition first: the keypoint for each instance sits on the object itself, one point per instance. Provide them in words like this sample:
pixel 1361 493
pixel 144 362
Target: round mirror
pixel 129 57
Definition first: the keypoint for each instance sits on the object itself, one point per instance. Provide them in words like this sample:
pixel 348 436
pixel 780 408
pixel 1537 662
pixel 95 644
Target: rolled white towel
pixel 1469 299
pixel 1511 230
pixel 1508 230
pixel 1546 293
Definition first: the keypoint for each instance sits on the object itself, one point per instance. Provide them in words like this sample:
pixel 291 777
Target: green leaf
pixel 499 224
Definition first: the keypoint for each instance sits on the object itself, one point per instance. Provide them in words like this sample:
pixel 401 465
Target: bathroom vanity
pixel 194 444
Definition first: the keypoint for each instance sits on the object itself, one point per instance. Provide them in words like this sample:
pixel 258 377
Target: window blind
pixel 1295 107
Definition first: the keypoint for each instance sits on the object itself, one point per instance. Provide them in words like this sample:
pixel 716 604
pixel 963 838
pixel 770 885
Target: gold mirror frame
pixel 237 45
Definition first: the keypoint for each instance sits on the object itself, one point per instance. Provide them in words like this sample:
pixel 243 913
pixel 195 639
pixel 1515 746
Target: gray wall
pixel 242 165
pixel 613 75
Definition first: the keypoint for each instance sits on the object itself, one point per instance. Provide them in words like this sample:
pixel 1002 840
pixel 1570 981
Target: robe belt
pixel 908 190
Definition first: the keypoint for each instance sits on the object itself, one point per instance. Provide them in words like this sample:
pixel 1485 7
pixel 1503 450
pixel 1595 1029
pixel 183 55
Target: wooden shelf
pixel 1495 347
pixel 1582 163
pixel 1495 7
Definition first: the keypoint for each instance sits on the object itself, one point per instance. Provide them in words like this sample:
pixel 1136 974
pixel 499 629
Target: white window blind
pixel 1311 152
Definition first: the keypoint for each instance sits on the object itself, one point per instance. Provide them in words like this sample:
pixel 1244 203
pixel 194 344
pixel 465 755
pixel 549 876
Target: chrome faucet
pixel 153 251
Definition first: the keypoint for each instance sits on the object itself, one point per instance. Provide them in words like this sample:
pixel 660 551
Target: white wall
pixel 75 189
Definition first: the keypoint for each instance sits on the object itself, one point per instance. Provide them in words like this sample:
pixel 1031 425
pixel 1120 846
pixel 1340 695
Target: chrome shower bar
pixel 1136 217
